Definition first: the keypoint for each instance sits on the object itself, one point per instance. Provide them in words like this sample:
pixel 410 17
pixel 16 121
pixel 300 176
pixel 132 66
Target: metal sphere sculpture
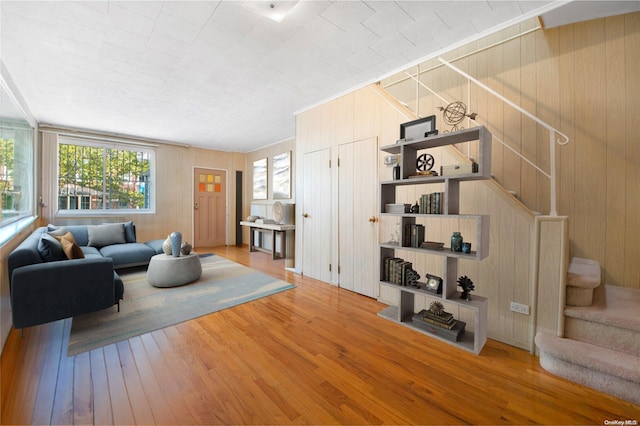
pixel 454 113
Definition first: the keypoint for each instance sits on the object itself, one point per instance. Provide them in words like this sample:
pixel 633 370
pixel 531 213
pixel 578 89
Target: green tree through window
pixel 103 178
pixel 6 173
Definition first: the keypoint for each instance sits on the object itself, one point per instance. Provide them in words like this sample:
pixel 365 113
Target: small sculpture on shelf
pixel 185 249
pixel 412 278
pixel 454 113
pixel 436 308
pixel 467 287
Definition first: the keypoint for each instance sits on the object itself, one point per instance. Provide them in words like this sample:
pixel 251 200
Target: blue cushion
pixel 79 232
pixel 50 249
pixel 91 252
pixel 156 245
pixel 128 254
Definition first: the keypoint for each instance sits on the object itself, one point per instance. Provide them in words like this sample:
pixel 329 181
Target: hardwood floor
pixel 316 354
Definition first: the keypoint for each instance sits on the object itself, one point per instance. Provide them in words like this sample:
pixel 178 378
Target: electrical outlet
pixel 520 308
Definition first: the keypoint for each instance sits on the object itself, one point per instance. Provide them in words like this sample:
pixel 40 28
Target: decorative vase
pixel 185 248
pixel 456 242
pixel 176 242
pixel 166 246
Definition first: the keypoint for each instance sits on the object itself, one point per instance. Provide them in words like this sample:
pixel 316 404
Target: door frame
pixel 226 201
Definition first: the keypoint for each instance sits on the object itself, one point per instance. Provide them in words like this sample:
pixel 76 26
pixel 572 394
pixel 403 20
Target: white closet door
pixel 316 215
pixel 358 217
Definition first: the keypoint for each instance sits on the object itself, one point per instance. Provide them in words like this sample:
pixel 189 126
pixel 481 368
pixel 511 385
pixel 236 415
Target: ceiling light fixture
pixel 274 10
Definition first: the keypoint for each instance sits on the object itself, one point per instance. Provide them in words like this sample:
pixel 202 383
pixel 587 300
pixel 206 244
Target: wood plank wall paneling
pixel 567 112
pixel 512 120
pixel 615 162
pixel 528 145
pixel 590 96
pixel 547 93
pixel 504 276
pixel 632 150
pixel 582 79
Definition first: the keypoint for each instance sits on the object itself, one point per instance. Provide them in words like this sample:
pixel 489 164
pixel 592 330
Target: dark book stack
pixel 395 270
pixel 443 325
pixel 431 203
pixel 413 235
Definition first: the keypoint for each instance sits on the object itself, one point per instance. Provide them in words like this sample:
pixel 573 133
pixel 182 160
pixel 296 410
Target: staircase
pixel 601 347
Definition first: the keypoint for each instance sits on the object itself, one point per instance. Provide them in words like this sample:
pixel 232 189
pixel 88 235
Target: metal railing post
pixel 552 165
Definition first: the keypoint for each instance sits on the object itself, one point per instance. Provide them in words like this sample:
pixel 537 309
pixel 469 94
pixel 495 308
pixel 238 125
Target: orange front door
pixel 210 207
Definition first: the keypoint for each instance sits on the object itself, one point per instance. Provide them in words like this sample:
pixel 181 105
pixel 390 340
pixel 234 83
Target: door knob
pixel 373 219
pixel 305 215
pixel 195 206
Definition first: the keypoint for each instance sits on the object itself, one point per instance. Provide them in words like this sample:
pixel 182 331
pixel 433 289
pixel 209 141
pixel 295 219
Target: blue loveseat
pixel 61 272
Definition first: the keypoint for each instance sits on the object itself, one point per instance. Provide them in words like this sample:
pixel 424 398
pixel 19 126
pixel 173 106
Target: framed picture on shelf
pixel 434 284
pixel 418 129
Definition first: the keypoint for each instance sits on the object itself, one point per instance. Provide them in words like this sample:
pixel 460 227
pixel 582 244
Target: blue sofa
pixel 61 272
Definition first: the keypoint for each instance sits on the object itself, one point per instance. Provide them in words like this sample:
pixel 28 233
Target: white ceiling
pixel 213 73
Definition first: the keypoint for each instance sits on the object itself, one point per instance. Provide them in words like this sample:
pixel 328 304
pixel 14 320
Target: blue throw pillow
pixel 50 249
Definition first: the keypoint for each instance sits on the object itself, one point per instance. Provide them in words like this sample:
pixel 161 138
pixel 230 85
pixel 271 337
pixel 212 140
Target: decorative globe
pixel 454 113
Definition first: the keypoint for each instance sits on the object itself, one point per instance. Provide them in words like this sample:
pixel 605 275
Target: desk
pixel 275 230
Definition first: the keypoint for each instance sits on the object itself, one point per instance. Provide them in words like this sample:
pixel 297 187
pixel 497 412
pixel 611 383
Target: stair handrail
pixel 553 132
pixel 477 119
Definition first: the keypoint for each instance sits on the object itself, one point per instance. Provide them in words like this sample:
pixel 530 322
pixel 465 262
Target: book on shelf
pixel 448 326
pixel 395 270
pixel 432 245
pixel 431 203
pixel 444 317
pixel 406 236
pixel 452 334
pixel 386 274
pixel 413 235
pixel 417 235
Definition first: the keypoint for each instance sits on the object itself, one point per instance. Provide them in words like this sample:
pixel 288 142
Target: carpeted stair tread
pixel 584 273
pixel 590 356
pixel 613 305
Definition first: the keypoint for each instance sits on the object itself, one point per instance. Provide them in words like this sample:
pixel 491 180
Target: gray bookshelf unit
pixel 472 341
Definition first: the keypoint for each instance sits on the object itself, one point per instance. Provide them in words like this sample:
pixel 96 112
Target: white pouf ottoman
pixel 169 271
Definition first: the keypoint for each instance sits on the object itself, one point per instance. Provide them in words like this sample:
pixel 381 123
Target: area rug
pixel 145 308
